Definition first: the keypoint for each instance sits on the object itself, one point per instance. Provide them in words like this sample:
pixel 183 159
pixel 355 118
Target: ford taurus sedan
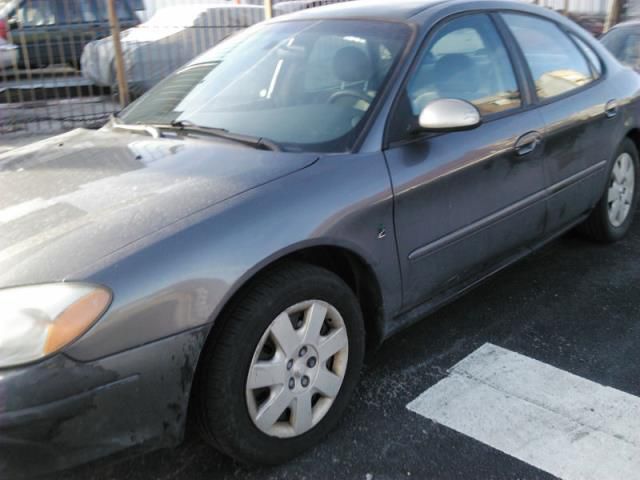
pixel 229 246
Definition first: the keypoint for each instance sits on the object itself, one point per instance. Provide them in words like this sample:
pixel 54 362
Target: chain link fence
pixel 58 61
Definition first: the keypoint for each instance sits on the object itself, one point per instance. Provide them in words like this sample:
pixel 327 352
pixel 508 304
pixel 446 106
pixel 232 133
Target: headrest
pixel 352 65
pixel 454 74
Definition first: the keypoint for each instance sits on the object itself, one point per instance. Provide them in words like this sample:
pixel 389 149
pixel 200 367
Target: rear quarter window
pixel 591 55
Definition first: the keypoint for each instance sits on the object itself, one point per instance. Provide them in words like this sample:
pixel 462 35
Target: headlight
pixel 38 320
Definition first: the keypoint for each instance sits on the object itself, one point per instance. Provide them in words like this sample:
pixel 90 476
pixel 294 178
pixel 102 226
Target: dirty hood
pixel 68 201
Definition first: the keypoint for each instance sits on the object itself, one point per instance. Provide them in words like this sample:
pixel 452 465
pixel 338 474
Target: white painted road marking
pixel 558 422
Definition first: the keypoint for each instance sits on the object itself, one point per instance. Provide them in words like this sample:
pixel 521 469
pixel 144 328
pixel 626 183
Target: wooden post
pixel 268 9
pixel 613 16
pixel 123 87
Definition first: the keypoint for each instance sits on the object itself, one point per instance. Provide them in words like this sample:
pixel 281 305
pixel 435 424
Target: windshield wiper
pixel 256 142
pixel 118 124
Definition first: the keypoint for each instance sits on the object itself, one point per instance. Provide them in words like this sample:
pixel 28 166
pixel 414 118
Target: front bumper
pixel 60 413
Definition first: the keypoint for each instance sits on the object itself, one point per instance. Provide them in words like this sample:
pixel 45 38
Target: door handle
pixel 527 143
pixel 611 109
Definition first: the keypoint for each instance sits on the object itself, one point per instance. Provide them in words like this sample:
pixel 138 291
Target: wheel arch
pixel 343 261
pixel 634 136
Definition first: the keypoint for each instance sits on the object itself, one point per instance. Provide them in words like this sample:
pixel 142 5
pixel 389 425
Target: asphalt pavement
pixel 574 305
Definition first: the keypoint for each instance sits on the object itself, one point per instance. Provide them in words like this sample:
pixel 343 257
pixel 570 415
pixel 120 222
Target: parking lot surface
pixel 574 305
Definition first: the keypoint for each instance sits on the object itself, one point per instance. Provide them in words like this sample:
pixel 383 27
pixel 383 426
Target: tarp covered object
pixel 171 38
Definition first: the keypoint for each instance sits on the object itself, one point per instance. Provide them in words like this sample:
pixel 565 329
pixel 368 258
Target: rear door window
pixel 556 63
pixel 122 10
pixel 36 13
pixel 76 11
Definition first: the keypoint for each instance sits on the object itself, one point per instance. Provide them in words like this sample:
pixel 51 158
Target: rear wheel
pixel 284 367
pixel 612 216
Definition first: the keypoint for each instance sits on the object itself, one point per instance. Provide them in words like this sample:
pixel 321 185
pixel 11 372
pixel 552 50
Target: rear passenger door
pixel 578 110
pixel 465 201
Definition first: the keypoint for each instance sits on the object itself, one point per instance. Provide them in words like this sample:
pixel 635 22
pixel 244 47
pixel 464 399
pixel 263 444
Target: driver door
pixel 465 201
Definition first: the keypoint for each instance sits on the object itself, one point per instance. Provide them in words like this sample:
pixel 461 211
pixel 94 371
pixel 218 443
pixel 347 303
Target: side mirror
pixel 449 114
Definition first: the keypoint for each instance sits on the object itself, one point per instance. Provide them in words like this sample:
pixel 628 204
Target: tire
pixel 226 401
pixel 600 226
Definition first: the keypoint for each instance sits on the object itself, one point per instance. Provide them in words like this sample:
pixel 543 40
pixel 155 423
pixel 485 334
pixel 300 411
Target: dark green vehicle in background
pixel 54 32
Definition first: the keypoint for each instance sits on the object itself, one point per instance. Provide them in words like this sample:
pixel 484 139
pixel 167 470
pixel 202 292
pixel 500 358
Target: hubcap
pixel 297 369
pixel 621 189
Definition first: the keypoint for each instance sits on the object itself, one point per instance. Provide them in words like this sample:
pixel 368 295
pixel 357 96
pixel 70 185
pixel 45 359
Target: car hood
pixel 70 200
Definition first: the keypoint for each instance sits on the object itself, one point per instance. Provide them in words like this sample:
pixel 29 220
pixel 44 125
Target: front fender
pixel 184 277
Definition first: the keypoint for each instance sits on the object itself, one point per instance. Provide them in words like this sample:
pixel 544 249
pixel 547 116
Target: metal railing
pixel 61 67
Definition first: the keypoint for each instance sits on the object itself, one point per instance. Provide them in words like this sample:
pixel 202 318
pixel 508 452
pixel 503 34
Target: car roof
pixel 406 9
pixel 399 10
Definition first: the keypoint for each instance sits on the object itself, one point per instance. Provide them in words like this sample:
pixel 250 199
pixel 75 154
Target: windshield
pixel 624 43
pixel 306 85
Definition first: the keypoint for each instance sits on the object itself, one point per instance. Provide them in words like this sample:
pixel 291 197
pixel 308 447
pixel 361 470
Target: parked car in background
pixel 229 246
pixel 171 38
pixel 151 7
pixel 8 55
pixel 52 32
pixel 623 41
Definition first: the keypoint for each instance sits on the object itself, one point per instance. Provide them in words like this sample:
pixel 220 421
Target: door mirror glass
pixel 447 114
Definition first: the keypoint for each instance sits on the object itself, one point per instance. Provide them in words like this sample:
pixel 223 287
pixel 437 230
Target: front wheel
pixel 284 367
pixel 613 215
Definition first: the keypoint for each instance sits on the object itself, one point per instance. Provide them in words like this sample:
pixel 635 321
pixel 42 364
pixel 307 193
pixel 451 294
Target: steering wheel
pixel 349 93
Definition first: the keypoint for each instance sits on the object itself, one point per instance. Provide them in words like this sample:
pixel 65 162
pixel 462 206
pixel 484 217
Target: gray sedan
pixel 229 246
